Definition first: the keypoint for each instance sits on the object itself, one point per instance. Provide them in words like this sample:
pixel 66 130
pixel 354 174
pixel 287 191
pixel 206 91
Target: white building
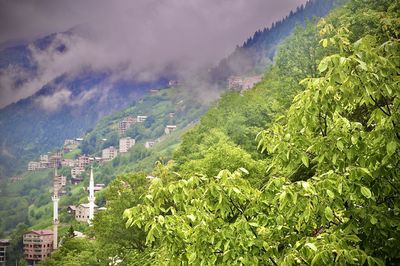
pixel 32 166
pixel 242 83
pixel 125 144
pixel 83 161
pixel 82 212
pixel 141 118
pixel 109 153
pixel 149 144
pixel 168 129
pixel 44 158
pixel 77 171
pixel 68 162
pixel 125 123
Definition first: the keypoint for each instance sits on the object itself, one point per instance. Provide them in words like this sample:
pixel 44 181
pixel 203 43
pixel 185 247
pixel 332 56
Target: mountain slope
pixel 64 108
pixel 257 52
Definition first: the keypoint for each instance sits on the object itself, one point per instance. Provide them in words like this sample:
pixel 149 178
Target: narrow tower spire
pixel 91 197
pixel 55 200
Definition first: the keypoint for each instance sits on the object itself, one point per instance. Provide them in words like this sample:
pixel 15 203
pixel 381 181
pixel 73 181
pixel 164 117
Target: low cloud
pixel 132 40
pixel 63 97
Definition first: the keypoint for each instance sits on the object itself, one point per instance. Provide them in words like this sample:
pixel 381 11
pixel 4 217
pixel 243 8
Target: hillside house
pixel 4 244
pixel 173 83
pixel 38 245
pixel 33 166
pixel 76 180
pixel 83 161
pixel 82 212
pixel 169 128
pixel 109 153
pixel 70 144
pixel 77 171
pixel 55 160
pixel 44 158
pixel 126 123
pixel 97 187
pixel 239 83
pixel 67 163
pixel 125 144
pixel 141 118
pixel 71 209
pixel 15 179
pixel 149 144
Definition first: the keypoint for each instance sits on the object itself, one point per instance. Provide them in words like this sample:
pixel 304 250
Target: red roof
pixel 41 232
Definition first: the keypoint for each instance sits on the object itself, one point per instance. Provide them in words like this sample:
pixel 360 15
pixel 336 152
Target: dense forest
pixel 303 169
pixel 258 51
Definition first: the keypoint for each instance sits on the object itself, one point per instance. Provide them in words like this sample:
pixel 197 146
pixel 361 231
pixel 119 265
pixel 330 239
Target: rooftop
pixel 41 232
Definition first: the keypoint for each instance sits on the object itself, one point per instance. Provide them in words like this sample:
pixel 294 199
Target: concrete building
pixel 4 244
pixel 38 245
pixel 83 161
pixel 68 162
pixel 76 180
pixel 109 153
pixel 71 209
pixel 173 83
pixel 149 144
pixel 141 118
pixel 168 129
pixel 33 166
pixel 125 144
pixel 77 171
pixel 15 179
pixel 239 83
pixel 96 188
pixel 82 213
pixel 70 144
pixel 44 158
pixel 126 123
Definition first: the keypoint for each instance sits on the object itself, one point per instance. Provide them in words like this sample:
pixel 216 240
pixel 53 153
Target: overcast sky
pixel 132 38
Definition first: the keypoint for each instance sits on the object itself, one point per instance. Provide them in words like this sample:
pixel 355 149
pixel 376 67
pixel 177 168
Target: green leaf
pixel 340 145
pixel 330 194
pixel 323 65
pixel 391 148
pixel 373 220
pixel 236 190
pixel 191 217
pixel 366 192
pixel 328 213
pixel 325 43
pixel 192 257
pixel 340 188
pixel 311 246
pixel 244 170
pixel 305 160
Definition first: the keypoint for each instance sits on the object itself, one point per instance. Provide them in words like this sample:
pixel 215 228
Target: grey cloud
pixel 62 97
pixel 130 39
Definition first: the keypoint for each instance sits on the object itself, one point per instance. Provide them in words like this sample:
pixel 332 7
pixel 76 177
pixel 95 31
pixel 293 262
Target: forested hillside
pixel 303 169
pixel 26 203
pixel 258 51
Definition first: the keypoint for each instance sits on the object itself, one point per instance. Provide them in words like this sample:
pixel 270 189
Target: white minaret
pixel 55 199
pixel 91 197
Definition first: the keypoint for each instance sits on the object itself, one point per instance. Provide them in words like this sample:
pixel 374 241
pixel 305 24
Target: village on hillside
pixel 39 244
